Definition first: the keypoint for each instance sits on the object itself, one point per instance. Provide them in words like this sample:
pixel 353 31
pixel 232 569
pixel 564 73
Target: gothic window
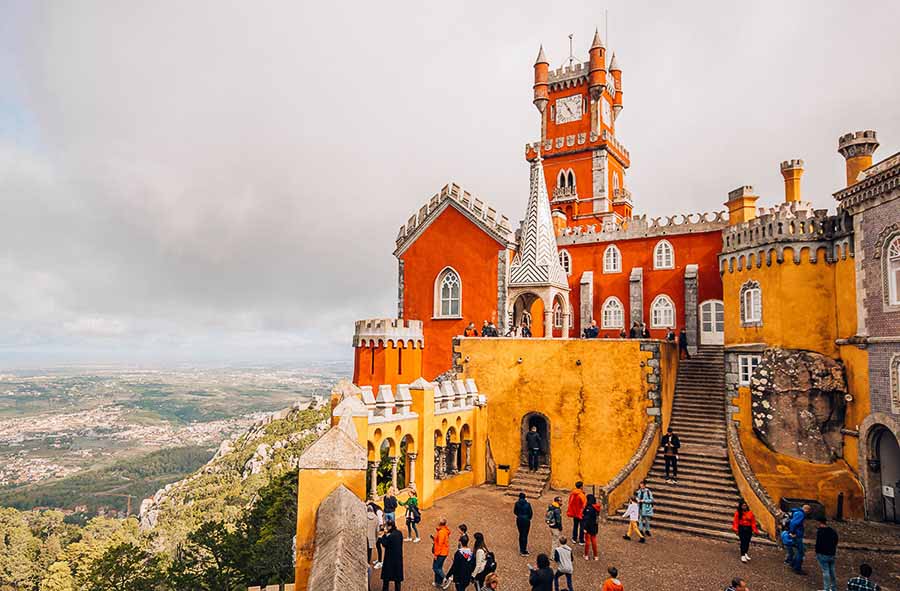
pixel 751 304
pixel 566 179
pixel 612 259
pixel 448 294
pixel 615 184
pixel 557 315
pixel 892 271
pixel 663 255
pixel 612 314
pixel 662 312
pixel 565 260
pixel 747 364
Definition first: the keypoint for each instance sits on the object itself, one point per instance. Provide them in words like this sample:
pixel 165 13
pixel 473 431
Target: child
pixel 562 556
pixel 632 514
pixel 612 583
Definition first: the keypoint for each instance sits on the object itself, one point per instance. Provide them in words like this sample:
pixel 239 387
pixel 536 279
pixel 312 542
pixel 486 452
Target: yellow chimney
pixel 857 149
pixel 792 170
pixel 741 205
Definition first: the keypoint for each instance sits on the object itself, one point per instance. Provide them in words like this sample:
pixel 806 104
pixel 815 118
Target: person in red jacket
pixel 577 501
pixel 745 525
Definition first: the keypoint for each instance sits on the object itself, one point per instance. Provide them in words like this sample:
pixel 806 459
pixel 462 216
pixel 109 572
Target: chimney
pixel 792 170
pixel 559 222
pixel 857 149
pixel 741 205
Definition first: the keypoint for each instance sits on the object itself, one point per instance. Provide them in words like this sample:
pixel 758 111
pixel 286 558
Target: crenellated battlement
pixel 858 143
pixel 569 76
pixel 641 227
pixel 561 145
pixel 389 405
pixel 476 209
pixel 791 164
pixel 388 331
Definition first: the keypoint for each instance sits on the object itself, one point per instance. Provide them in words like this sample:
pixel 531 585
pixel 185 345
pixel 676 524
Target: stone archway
pixel 542 423
pixel 528 308
pixel 879 465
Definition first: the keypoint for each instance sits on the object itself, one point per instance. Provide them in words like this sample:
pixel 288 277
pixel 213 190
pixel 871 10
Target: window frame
pixel 752 310
pixel 892 270
pixel 612 248
pixel 656 255
pixel 557 315
pixel 439 295
pixel 567 265
pixel 747 363
pixel 657 301
pixel 605 308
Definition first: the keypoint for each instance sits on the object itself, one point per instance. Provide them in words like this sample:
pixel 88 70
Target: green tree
pixel 59 578
pixel 269 528
pixel 18 551
pixel 126 567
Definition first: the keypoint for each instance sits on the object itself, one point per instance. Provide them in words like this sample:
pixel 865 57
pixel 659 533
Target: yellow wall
pixel 856 363
pixel 597 410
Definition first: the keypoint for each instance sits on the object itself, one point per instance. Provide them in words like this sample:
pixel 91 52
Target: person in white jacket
pixel 481 555
pixel 632 514
pixel 562 556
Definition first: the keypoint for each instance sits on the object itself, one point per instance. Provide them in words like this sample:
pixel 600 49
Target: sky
pixel 222 182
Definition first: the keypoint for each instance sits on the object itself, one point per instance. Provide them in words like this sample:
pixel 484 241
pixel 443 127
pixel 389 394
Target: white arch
pixel 565 260
pixel 663 255
pixel 662 312
pixel 612 259
pixel 448 294
pixel 892 271
pixel 612 313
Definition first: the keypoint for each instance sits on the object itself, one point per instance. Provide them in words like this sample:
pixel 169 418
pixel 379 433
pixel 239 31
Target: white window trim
pixel 618 266
pixel 656 255
pixel 438 281
pixel 745 362
pixel 603 309
pixel 753 307
pixel 656 301
pixel 892 275
pixel 564 254
pixel 557 315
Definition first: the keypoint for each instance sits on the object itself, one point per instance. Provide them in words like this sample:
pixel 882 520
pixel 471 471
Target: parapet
pixel 858 143
pixel 474 208
pixel 388 331
pixel 791 164
pixel 390 405
pixel 641 227
pixel 568 76
pixel 572 142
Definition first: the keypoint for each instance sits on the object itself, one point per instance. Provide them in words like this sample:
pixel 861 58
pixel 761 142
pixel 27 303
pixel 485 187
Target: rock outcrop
pixel 798 404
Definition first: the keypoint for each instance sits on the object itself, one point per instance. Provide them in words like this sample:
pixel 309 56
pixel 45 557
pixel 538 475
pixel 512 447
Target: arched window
pixel 565 261
pixel 612 314
pixel 663 255
pixel 615 184
pixel 571 178
pixel 566 179
pixel 612 259
pixel 662 312
pixel 448 294
pixel 892 271
pixel 751 304
pixel 557 315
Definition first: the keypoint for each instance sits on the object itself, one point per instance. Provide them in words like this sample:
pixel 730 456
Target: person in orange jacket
pixel 745 526
pixel 612 583
pixel 577 501
pixel 440 549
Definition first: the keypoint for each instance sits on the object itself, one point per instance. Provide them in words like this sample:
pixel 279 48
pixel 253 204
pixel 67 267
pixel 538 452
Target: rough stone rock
pixel 798 404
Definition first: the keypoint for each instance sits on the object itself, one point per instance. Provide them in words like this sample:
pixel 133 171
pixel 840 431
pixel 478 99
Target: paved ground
pixel 668 560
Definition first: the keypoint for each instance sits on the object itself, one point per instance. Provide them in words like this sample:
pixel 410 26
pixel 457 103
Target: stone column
pixel 548 322
pixel 411 472
pixel 468 443
pixel 438 462
pixel 635 297
pixel 586 286
pixel 690 308
pixel 373 472
pixel 452 450
pixel 395 461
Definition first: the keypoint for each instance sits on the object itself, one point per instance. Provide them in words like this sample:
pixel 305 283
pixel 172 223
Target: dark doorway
pixel 536 419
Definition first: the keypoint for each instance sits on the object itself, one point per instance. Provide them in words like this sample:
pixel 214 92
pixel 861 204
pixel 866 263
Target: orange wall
pixel 392 364
pixel 454 240
pixel 701 249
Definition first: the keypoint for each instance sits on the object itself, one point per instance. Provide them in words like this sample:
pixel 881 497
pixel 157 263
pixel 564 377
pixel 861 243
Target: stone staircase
pixel 705 498
pixel 532 484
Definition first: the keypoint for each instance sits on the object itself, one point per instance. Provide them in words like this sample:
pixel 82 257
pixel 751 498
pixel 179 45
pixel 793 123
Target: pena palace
pixel 789 389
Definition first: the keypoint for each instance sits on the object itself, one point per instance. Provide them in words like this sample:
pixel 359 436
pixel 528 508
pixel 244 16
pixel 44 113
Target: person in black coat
pixel 683 344
pixel 534 444
pixel 670 445
pixel 463 564
pixel 523 513
pixel 392 567
pixel 541 576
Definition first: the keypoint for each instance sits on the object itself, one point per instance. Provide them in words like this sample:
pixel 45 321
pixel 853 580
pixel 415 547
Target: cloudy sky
pixel 223 181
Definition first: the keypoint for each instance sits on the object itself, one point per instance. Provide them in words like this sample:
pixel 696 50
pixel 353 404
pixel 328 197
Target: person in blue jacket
pixel 792 538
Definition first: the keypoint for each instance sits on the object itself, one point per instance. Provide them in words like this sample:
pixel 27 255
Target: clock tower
pixel 584 163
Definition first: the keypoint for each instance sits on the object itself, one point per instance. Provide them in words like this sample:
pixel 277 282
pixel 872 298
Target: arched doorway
pixel 887 462
pixel 529 308
pixel 542 423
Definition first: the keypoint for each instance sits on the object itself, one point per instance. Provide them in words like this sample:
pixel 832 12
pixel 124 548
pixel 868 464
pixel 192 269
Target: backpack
pixel 550 517
pixel 786 522
pixel 490 563
pixel 416 514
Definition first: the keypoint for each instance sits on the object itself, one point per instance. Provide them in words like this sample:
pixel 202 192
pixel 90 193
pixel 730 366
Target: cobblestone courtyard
pixel 668 560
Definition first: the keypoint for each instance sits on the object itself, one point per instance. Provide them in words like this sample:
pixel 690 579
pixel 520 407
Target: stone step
pixel 698 509
pixel 697 422
pixel 723 500
pixel 695 481
pixel 684 426
pixel 714 453
pixel 688 467
pixel 691 486
pixel 700 416
pixel 686 458
pixel 701 411
pixel 704 531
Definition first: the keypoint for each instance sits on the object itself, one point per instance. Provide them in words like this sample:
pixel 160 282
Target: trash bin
pixel 502 474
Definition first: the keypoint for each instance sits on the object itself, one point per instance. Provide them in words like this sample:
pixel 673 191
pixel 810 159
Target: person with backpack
pixel 463 565
pixel 562 556
pixel 590 523
pixel 523 512
pixel 744 525
pixel 612 583
pixel 644 498
pixel 796 527
pixel 553 518
pixel 577 501
pixel 826 549
pixel 392 569
pixel 485 563
pixel 541 576
pixel 440 549
pixel 413 516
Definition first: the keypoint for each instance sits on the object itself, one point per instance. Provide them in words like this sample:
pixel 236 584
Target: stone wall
pixel 339 563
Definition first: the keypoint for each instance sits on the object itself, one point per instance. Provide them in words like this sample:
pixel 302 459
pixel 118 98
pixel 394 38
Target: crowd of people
pixel 473 564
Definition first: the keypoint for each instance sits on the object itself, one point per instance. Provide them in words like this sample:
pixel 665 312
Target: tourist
pixel 737 584
pixel 523 513
pixel 826 549
pixel 534 445
pixel 526 330
pixel 577 501
pixel 463 565
pixel 440 550
pixel 390 503
pixel 670 445
pixel 484 561
pixel 371 531
pixel 670 335
pixel 683 352
pixel 470 330
pixel 645 332
pixel 485 329
pixel 591 332
pixel 634 332
pixel 864 581
pixel 462 530
pixel 492 582
pixel 379 529
pixel 632 514
pixel 562 556
pixel 590 523
pixel 553 519
pixel 796 529
pixel 392 568
pixel 493 329
pixel 413 516
pixel 612 583
pixel 644 498
pixel 744 524
pixel 622 334
pixel 541 576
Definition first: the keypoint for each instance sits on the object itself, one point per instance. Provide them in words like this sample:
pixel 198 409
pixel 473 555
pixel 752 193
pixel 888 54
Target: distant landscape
pixel 97 441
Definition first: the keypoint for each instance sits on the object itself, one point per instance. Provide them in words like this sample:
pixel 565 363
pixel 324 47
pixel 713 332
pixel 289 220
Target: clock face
pixel 568 109
pixel 606 112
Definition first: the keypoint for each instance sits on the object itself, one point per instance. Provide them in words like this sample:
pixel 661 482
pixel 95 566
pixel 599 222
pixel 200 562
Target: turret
pixel 741 205
pixel 541 81
pixel 857 149
pixel 597 75
pixel 388 351
pixel 792 170
pixel 616 72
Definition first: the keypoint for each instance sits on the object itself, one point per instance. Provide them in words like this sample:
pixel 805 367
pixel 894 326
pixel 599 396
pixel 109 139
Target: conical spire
pixel 541 58
pixel 597 41
pixel 612 63
pixel 537 262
